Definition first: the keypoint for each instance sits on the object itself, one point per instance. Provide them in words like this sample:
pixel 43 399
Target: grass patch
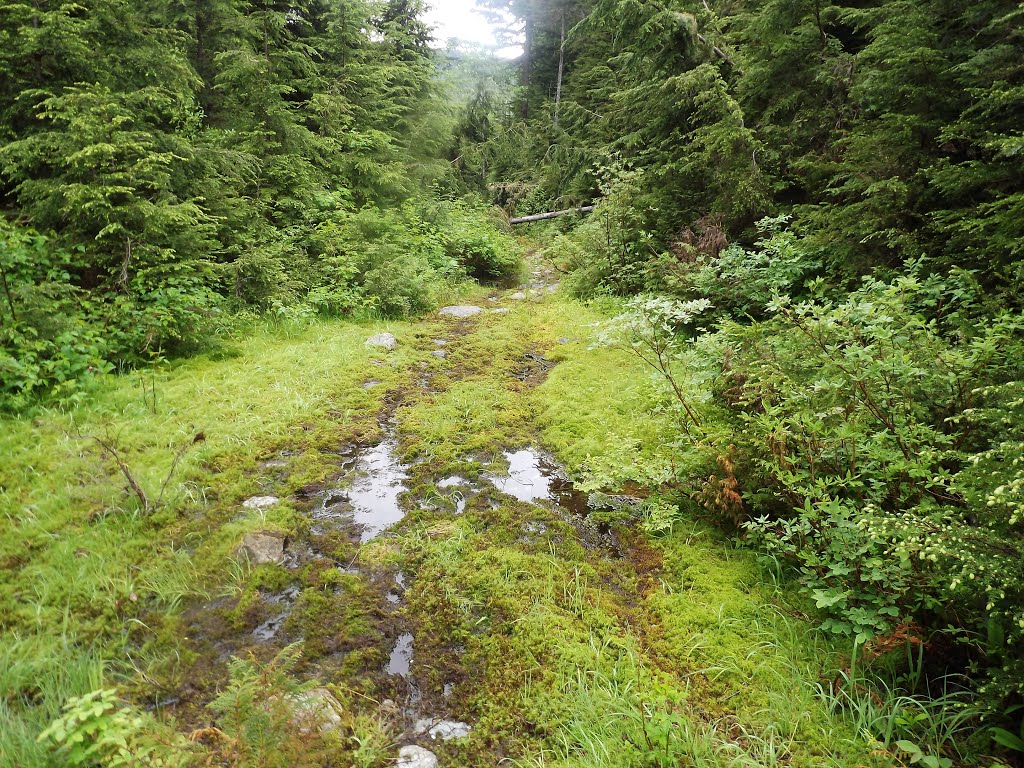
pixel 88 579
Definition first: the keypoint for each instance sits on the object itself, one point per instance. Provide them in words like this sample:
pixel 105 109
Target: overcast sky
pixel 461 19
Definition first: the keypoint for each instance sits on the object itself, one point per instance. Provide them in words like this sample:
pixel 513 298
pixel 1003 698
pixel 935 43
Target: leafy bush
pixel 882 451
pixel 478 244
pixel 743 281
pixel 878 449
pixel 55 336
pixel 389 261
pixel 397 261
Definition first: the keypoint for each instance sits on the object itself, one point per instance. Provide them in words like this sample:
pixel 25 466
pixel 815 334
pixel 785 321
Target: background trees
pixel 886 129
pixel 179 161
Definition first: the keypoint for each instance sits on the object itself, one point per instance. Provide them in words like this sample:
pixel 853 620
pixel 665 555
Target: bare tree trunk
pixel 561 68
pixel 524 67
pixel 550 215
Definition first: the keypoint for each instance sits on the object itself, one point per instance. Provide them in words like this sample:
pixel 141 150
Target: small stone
pixel 518 296
pixel 566 340
pixel 440 354
pixel 390 708
pixel 440 342
pixel 462 310
pixel 416 757
pixel 371 384
pixel 445 730
pixel 260 502
pixel 500 311
pixel 384 340
pixel 262 547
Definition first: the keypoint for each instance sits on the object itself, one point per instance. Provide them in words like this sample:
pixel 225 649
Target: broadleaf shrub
pixel 872 442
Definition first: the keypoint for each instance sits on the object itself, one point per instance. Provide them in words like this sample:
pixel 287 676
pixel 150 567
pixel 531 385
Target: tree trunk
pixel 524 67
pixel 550 215
pixel 561 68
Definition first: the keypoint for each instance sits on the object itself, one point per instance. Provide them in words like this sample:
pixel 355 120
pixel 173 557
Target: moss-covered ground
pixel 562 640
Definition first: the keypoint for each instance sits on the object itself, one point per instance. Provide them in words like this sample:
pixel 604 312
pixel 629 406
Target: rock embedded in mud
pixel 518 296
pixel 260 502
pixel 316 710
pixel 262 547
pixel 416 757
pixel 462 310
pixel 440 354
pixel 383 340
pixel 445 730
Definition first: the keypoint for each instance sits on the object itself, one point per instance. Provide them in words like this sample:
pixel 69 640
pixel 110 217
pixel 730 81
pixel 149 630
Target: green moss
pixel 672 652
pixel 82 562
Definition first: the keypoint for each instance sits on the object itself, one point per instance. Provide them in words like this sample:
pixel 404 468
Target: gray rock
pixel 463 310
pixel 440 342
pixel 371 384
pixel 383 340
pixel 445 730
pixel 440 354
pixel 500 311
pixel 260 502
pixel 263 547
pixel 315 710
pixel 518 296
pixel 617 502
pixel 416 757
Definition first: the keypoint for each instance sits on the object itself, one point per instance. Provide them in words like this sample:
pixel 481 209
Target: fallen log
pixel 550 215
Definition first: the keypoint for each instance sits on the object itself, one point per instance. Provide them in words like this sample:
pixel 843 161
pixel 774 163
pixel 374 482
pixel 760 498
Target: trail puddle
pixel 400 661
pixel 373 496
pixel 533 477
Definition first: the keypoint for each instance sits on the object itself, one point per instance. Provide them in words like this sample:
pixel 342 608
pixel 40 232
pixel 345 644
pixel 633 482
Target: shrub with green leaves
pixel 875 447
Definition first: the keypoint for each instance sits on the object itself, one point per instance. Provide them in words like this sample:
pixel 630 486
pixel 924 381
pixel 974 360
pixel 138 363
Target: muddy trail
pixel 355 584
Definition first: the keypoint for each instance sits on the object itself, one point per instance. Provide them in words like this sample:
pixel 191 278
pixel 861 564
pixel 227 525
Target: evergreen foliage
pixel 183 161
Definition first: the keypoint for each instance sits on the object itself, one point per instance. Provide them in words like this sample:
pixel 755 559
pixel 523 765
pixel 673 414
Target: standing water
pixel 374 495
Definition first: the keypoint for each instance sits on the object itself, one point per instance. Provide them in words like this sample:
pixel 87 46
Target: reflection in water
pixel 374 495
pixel 532 477
pixel 526 480
pixel 401 657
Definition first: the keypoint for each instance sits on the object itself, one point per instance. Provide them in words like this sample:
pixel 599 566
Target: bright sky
pixel 462 19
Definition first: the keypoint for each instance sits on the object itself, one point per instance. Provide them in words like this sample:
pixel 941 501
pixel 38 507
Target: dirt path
pixel 453 590
pixel 359 585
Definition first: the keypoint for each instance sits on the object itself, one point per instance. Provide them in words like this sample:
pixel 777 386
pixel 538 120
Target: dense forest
pixel 808 235
pixel 168 166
